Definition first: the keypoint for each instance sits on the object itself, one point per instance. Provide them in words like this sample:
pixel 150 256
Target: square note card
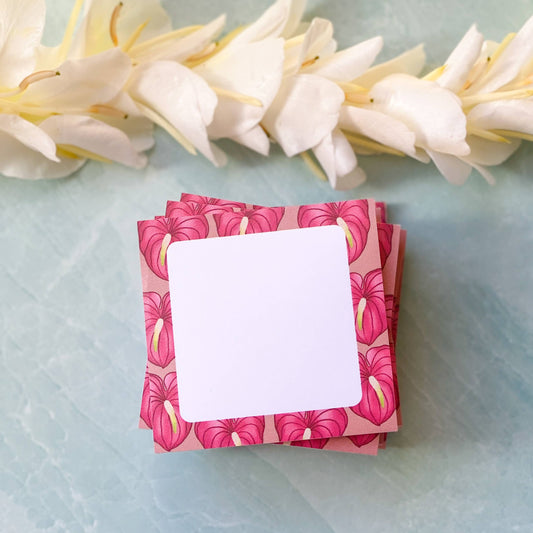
pixel 266 324
pixel 260 332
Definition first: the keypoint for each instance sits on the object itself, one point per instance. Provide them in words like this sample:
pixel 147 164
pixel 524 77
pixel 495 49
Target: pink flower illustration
pixel 145 403
pixel 351 216
pixel 389 309
pixel 191 204
pixel 377 404
pixel 361 440
pixel 159 336
pixel 170 430
pixel 311 425
pixel 155 236
pixel 251 221
pixel 230 432
pixel 317 444
pixel 385 241
pixel 369 306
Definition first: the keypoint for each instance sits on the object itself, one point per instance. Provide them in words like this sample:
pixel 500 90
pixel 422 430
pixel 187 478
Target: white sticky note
pixel 263 324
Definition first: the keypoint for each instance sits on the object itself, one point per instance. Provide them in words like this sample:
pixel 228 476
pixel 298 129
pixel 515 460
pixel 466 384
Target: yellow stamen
pixel 113 23
pixel 485 134
pixel 243 225
pixel 435 74
pixel 164 246
pixel 307 434
pixel 475 74
pixel 169 408
pixel 498 52
pixel 310 62
pixel 161 39
pixel 220 45
pixel 157 332
pixel 236 439
pixel 156 118
pixel 76 152
pixel 357 99
pixel 348 87
pixel 69 30
pixel 238 96
pixel 475 99
pixel 37 76
pixel 363 142
pixel 514 134
pixel 102 109
pixel 126 47
pixel 377 388
pixel 360 311
pixel 341 222
pixel 315 169
pixel 208 50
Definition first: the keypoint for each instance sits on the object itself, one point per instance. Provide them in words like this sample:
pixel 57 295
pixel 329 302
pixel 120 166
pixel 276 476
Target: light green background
pixel 72 349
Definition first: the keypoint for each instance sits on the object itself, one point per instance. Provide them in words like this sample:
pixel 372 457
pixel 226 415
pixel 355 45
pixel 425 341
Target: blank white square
pixel 263 324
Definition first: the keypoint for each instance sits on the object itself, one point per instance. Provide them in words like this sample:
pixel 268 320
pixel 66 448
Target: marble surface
pixel 72 350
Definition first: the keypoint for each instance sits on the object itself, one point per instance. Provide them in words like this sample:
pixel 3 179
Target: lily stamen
pixel 238 96
pixel 498 52
pixel 475 99
pixel 374 146
pixel 435 74
pixel 134 36
pixel 208 50
pixel 315 169
pixel 356 99
pixel 310 62
pixel 101 109
pixel 485 134
pixel 75 152
pixel 113 23
pixel 514 134
pixel 161 39
pixel 37 76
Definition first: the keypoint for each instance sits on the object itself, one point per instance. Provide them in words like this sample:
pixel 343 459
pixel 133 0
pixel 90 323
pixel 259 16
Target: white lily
pixel 305 113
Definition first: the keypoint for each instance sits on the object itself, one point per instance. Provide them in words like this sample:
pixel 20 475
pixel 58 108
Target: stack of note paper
pixel 271 325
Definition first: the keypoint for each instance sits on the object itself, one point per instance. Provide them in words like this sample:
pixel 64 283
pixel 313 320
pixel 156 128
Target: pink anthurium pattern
pixel 389 309
pixel 352 217
pixel 230 432
pixel 170 430
pixel 369 306
pixel 191 204
pixel 362 440
pixel 317 444
pixel 155 236
pixel 311 425
pixel 251 221
pixel 385 232
pixel 377 404
pixel 159 336
pixel 145 403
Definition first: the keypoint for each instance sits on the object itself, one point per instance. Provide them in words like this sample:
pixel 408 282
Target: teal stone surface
pixel 72 347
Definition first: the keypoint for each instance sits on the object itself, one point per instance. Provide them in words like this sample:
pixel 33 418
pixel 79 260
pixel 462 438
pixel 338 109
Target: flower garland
pixel 99 92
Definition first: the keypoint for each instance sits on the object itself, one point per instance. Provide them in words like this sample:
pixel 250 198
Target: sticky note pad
pixel 263 324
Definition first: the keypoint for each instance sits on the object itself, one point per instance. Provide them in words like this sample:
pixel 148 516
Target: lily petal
pixel 93 36
pixel 255 139
pixel 29 135
pixel 410 62
pixel 378 126
pixel 21 28
pixel 296 11
pixel 182 49
pixel 489 153
pixel 434 114
pixel 336 157
pixel 317 37
pixel 95 137
pixel 28 152
pixel 514 115
pixel 180 96
pixel 451 167
pixel 253 70
pixel 270 24
pixel 81 83
pixel 349 63
pixel 510 62
pixel 305 110
pixel 461 60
